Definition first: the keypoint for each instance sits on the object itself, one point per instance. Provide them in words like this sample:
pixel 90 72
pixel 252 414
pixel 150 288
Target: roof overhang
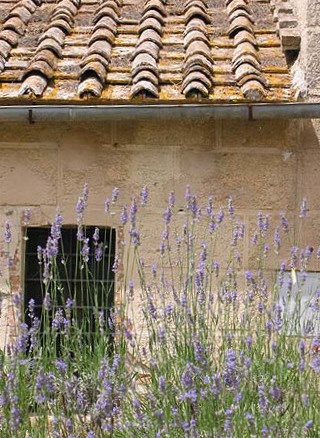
pixel 83 113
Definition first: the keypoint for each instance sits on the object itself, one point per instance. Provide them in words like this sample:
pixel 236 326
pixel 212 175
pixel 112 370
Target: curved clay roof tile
pixel 145 75
pixel 95 68
pixel 29 4
pixel 238 4
pixel 152 13
pixel 254 91
pixel 196 76
pixel 194 35
pixel 34 85
pixel 156 5
pixel 106 11
pixel 10 36
pixel 199 59
pixel 244 36
pixel 239 24
pixel 40 66
pixel 150 23
pixel 62 24
pixel 195 88
pixel 103 35
pixel 21 12
pixel 55 33
pixel 144 87
pixel 150 35
pixel 50 44
pixel 246 59
pixel 15 24
pixel 5 49
pixel 147 47
pixel 196 12
pixel 48 56
pixel 102 48
pixel 90 86
pixel 95 57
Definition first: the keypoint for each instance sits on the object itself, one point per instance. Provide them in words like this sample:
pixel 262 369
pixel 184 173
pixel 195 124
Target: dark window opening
pixel 91 288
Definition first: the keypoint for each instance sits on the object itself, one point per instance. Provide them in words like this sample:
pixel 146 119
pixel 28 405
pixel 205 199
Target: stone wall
pixel 266 165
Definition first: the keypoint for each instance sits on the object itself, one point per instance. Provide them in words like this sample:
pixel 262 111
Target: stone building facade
pixel 170 59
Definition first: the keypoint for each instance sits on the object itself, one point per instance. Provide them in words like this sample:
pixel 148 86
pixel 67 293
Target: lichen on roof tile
pixel 142 51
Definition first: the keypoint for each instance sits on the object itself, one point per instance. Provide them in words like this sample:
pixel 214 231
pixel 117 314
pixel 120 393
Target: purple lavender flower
pixel 47 303
pixel 61 367
pixel 45 387
pixel 277 241
pixel 303 208
pixel 31 306
pixel 7 232
pixel 167 215
pixel 124 215
pixel 133 212
pixel 308 424
pixel 220 216
pixel 284 222
pixel 230 206
pixel 249 418
pixel 302 349
pixel 216 268
pixel 98 253
pixel 59 322
pixel 115 265
pixel 209 209
pixel 131 289
pixel 26 217
pixel 23 339
pixel 85 250
pixel 107 206
pixel 80 233
pixel 294 257
pixel 115 195
pixel 96 236
pixel 315 364
pixel 80 207
pixel 230 373
pixel 135 237
pixel 144 196
pixel 249 276
pixel 39 254
pixel 254 238
pixel 228 424
pixel 263 400
pixel 188 194
pixel 162 384
pixel 281 273
pixel 188 375
pixel 69 303
pixel 212 225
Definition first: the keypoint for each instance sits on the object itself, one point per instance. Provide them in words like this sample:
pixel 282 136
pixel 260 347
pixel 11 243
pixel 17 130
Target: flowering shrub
pixel 196 347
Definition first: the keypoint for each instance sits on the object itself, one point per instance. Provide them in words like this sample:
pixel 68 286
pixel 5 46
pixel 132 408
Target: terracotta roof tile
pixel 145 51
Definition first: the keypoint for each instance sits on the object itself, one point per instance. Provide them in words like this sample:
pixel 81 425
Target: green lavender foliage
pixel 196 348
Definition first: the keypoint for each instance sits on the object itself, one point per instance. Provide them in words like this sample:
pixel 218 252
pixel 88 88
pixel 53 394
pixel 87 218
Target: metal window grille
pixel 91 287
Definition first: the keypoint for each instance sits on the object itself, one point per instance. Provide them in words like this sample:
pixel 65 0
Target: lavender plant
pixel 194 346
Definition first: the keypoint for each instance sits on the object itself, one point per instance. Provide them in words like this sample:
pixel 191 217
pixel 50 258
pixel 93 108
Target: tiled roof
pixel 138 51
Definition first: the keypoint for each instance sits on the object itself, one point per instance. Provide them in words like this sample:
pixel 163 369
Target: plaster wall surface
pixel 266 166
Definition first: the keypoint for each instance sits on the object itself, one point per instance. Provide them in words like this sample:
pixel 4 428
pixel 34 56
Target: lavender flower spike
pixel 115 195
pixel 144 196
pixel 26 216
pixel 303 208
pixel 7 232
